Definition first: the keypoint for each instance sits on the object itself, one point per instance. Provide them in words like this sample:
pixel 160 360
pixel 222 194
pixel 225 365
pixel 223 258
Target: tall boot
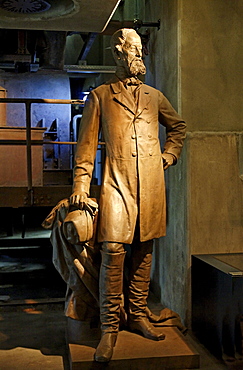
pixel 111 284
pixel 141 260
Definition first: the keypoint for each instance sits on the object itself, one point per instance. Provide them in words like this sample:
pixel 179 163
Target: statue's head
pixel 126 48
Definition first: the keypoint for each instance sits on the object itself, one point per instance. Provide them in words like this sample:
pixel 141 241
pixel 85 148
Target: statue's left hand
pixel 168 160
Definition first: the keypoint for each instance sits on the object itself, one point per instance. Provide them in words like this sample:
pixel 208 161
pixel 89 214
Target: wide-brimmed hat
pixel 78 224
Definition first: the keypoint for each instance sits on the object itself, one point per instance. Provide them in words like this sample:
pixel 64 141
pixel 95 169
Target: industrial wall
pixel 196 60
pixel 212 103
pixel 43 84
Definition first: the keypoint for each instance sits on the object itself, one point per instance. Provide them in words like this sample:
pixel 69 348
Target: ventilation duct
pixel 25 6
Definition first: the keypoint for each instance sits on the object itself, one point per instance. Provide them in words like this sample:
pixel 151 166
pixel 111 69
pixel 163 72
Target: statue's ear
pixel 118 52
pixel 118 49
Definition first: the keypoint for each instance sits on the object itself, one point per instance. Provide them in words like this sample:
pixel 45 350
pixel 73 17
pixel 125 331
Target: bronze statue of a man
pixel 132 200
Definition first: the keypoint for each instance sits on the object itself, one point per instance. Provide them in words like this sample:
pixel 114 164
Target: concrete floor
pixel 34 337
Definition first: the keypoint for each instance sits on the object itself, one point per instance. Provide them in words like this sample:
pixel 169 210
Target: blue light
pixel 84 95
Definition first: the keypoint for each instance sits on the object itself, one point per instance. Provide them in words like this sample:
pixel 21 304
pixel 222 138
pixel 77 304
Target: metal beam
pixel 87 45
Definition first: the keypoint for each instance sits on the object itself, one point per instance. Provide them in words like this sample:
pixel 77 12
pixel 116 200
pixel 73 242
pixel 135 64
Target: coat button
pixel 134 154
pixel 148 122
pixel 149 135
pixel 133 136
pixel 150 153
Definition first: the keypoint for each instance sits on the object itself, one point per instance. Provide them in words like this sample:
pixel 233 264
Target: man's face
pixel 132 53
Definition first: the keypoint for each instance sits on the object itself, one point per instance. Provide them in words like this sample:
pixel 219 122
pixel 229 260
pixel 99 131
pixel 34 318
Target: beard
pixel 136 67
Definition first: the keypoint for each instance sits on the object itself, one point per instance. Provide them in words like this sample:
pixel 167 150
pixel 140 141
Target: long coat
pixel 133 180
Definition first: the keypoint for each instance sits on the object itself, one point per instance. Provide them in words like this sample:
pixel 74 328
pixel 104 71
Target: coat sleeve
pixel 87 145
pixel 175 127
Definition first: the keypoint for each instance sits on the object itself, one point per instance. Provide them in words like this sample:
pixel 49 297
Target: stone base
pixel 134 352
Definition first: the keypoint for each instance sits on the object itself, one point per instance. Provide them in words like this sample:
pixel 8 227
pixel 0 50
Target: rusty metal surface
pixel 42 196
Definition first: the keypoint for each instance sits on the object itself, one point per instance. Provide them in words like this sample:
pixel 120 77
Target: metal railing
pixel 29 142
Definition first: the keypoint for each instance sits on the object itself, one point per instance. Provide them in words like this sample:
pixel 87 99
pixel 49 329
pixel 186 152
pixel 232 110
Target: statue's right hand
pixel 78 199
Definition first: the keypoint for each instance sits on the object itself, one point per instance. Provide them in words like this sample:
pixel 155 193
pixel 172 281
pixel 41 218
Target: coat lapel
pixel 123 97
pixel 144 99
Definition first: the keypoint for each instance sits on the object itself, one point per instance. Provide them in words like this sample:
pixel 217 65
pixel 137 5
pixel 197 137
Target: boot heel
pixel 144 327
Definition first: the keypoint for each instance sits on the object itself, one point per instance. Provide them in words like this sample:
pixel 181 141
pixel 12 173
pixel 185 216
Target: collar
pixel 131 81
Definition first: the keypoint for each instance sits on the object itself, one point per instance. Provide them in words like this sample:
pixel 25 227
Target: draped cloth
pixel 78 265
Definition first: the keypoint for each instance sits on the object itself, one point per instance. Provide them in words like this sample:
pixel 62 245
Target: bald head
pixel 119 37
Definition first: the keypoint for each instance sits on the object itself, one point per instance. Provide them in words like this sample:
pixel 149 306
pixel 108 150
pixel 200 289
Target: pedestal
pixel 135 352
